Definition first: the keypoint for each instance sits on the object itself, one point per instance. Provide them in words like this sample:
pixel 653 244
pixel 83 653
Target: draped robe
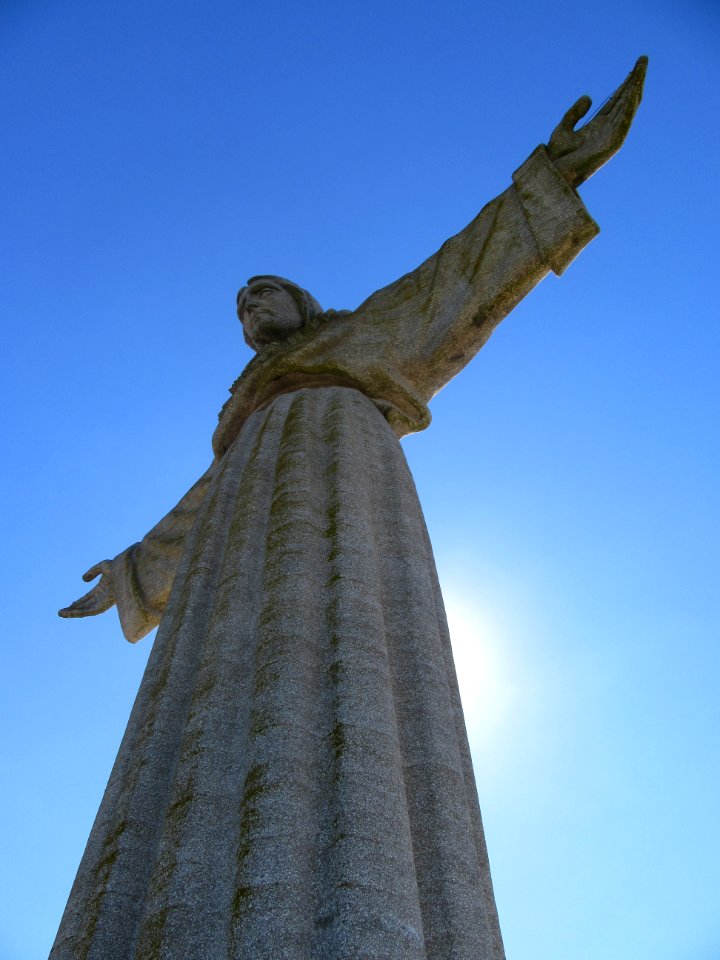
pixel 295 781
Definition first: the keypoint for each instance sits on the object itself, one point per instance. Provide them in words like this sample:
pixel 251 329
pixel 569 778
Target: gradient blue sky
pixel 155 155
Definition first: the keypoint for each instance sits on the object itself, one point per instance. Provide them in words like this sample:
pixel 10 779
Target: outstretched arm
pixel 436 318
pixel 139 579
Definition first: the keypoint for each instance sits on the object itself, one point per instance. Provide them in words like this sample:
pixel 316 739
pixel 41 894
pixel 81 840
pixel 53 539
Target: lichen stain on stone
pixel 241 901
pixel 272 644
pixel 116 833
pixel 265 678
pixel 152 935
pixel 283 504
pixel 178 809
pixel 337 671
pixel 255 782
pixel 338 738
pixel 335 552
pixel 102 872
pixel 260 722
pixel 331 528
pixel 255 786
pixel 205 686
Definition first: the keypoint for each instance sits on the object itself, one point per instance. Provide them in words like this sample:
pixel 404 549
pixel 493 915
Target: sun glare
pixel 487 690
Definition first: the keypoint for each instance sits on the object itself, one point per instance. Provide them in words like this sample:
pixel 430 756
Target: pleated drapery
pixel 295 781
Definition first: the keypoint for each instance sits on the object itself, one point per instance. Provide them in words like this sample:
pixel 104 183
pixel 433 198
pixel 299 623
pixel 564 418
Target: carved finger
pixel 614 98
pixel 563 139
pixel 637 82
pixel 77 609
pixel 88 605
pixel 96 570
pixel 576 112
pixel 70 611
pixel 640 69
pixel 612 102
pixel 623 112
pixel 631 89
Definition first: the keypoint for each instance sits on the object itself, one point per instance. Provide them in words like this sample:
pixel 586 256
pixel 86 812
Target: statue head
pixel 272 308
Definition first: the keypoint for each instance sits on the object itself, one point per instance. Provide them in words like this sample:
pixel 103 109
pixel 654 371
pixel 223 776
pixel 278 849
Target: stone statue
pixel 295 781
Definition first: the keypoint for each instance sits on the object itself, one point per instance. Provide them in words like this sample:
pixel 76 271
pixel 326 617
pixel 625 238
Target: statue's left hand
pixel 577 154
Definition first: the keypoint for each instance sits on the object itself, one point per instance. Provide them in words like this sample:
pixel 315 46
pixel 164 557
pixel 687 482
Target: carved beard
pixel 272 329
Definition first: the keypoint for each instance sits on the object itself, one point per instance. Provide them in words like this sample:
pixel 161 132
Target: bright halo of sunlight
pixel 487 690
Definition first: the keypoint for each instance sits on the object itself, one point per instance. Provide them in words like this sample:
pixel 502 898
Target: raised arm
pixel 436 318
pixel 140 578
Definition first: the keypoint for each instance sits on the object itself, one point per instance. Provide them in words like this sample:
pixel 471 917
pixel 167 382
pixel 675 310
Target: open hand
pixel 97 600
pixel 577 154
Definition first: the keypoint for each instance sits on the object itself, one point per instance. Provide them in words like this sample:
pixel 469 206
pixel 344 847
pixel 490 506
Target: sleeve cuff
pixel 136 618
pixel 556 215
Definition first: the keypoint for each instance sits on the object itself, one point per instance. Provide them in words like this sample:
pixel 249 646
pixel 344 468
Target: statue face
pixel 268 312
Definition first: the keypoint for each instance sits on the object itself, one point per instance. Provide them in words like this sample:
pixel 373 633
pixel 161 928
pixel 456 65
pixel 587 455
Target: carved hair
pixel 307 304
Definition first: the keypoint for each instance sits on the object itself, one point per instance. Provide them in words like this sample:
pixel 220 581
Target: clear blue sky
pixel 155 155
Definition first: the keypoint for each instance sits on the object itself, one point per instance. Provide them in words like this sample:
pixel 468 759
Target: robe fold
pixel 295 781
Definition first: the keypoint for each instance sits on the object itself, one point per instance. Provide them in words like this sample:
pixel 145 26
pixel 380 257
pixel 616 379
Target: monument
pixel 295 781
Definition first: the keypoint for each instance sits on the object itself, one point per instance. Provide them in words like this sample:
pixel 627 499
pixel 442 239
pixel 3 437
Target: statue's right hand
pixel 97 600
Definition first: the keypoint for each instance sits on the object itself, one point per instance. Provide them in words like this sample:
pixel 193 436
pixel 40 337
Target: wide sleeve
pixel 435 319
pixel 143 574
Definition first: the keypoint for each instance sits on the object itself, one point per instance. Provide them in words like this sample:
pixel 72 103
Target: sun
pixel 482 662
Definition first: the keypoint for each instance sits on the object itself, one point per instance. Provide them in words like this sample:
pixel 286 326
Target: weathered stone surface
pixel 295 780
